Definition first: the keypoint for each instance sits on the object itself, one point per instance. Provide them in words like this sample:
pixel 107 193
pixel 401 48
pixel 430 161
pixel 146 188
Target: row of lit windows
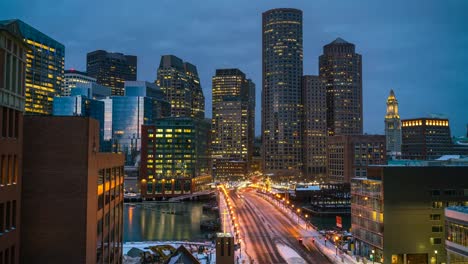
pixel 410 123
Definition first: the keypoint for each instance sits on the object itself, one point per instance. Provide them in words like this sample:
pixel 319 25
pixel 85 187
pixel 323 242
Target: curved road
pixel 263 226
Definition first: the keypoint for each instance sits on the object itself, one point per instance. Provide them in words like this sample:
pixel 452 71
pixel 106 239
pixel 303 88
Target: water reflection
pixel 164 221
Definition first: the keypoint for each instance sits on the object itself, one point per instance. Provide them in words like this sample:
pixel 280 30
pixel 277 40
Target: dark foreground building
pixel 12 52
pixel 72 198
pixel 398 211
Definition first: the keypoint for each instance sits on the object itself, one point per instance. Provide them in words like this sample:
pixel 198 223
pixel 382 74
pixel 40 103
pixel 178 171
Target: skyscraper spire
pixel 393 126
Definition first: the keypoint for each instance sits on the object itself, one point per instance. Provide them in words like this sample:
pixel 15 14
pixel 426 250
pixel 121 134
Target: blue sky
pixel 418 48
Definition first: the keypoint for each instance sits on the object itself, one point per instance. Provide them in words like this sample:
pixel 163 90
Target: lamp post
pixel 435 252
pixel 373 256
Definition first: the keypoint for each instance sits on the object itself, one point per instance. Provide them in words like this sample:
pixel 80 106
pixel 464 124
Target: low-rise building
pixel 456 234
pixel 72 196
pixel 349 156
pixel 174 157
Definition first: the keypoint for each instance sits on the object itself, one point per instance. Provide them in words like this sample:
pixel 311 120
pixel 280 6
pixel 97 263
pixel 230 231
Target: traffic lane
pixel 288 230
pixel 259 244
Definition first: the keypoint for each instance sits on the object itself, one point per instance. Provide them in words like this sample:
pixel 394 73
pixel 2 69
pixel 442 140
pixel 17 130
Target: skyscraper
pixel 315 127
pixel 180 83
pixel 111 69
pixel 281 94
pixel 45 60
pixel 72 78
pixel 232 123
pixel 393 127
pixel 341 69
pixel 12 52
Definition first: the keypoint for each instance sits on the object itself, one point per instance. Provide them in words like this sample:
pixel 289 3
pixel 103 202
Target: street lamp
pixel 373 256
pixel 435 252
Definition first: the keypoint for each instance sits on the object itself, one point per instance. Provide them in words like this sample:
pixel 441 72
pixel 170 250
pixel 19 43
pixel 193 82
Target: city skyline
pixel 400 51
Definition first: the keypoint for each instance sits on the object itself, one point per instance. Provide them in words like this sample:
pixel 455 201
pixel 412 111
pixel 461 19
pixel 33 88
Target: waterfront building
pixel 393 127
pixel 111 69
pixel 282 68
pixel 315 127
pixel 45 60
pixel 79 223
pixel 349 156
pixel 142 104
pixel 74 78
pixel 12 86
pixel 397 212
pixel 181 85
pixel 456 234
pixel 341 69
pixel 233 124
pixel 426 138
pixel 174 157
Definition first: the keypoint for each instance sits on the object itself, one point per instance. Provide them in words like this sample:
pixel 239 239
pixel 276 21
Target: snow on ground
pixel 290 255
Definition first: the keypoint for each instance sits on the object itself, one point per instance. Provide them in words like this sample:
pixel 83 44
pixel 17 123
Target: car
pixel 300 241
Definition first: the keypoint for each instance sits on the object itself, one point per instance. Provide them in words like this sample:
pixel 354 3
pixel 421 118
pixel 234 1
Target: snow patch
pixel 290 255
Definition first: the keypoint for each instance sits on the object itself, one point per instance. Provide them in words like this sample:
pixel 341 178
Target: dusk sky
pixel 418 48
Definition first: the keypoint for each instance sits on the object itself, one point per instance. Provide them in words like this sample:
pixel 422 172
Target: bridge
pixel 191 196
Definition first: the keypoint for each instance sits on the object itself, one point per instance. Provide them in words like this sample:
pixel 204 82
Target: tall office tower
pixel 349 156
pixel 80 223
pixel 281 93
pixel 12 52
pixel 425 138
pixel 393 127
pixel 175 157
pixel 142 104
pixel 73 78
pixel 232 124
pixel 341 69
pixel 45 60
pixel 315 127
pixel 180 83
pixel 111 69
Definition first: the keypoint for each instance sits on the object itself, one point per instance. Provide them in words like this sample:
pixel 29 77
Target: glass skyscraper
pixel 45 62
pixel 141 105
pixel 281 93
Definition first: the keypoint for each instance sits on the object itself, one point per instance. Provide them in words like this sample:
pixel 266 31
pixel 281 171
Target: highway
pixel 263 226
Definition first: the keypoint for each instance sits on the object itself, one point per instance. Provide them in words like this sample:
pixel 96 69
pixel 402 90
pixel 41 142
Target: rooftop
pixel 460 209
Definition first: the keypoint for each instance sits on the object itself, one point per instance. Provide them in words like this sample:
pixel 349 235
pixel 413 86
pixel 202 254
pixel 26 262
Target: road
pixel 263 226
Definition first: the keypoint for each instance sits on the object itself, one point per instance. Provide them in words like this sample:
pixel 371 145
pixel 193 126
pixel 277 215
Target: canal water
pixel 150 221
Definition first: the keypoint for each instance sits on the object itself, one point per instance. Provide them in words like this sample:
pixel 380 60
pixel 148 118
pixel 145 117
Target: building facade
pixel 233 124
pixel 174 157
pixel 45 62
pixel 282 68
pixel 111 69
pixel 89 209
pixel 12 86
pixel 341 69
pixel 426 138
pixel 456 234
pixel 315 127
pixel 74 78
pixel 398 211
pixel 142 104
pixel 181 85
pixel 393 127
pixel 349 156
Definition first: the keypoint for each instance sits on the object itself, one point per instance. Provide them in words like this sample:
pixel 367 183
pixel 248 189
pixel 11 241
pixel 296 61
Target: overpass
pixel 191 196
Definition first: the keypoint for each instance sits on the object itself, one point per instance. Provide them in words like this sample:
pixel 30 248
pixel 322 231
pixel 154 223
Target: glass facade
pixel 45 62
pixel 456 234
